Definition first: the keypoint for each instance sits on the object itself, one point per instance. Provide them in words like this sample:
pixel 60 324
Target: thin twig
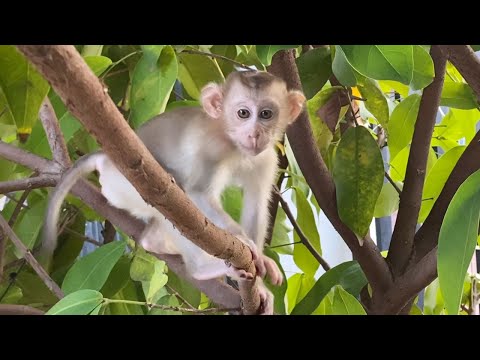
pixel 84 237
pixel 197 52
pixel 10 309
pixel 13 278
pixel 28 183
pixel 18 207
pixel 30 259
pixel 175 292
pixel 171 308
pixel 12 198
pixel 299 231
pixel 390 180
pixel 282 245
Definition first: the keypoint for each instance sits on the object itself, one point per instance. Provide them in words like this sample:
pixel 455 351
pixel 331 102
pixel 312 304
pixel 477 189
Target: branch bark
pixel 54 133
pixel 30 259
pixel 34 162
pixel 318 177
pixel 411 197
pixel 8 309
pixel 218 291
pixel 28 183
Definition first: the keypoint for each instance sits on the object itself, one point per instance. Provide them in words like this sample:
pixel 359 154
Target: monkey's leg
pixel 157 238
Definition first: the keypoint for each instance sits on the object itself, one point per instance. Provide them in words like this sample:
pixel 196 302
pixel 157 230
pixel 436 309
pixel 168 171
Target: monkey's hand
pixel 266 265
pixel 263 263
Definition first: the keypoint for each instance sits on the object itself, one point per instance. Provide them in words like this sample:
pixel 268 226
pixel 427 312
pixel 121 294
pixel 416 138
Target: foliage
pixel 146 80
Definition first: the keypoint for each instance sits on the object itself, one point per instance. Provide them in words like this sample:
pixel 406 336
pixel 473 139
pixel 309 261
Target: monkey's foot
pixel 238 274
pixel 266 265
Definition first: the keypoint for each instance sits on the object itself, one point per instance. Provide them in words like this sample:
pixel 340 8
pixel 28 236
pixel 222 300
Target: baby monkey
pixel 229 140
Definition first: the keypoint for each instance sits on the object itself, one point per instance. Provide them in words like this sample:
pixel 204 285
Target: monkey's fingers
pixel 260 266
pixel 276 276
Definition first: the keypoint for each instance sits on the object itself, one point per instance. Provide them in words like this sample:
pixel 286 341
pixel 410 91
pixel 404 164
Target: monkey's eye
pixel 266 114
pixel 243 113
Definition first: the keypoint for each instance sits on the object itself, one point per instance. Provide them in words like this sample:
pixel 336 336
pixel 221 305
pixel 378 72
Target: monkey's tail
pixel 80 169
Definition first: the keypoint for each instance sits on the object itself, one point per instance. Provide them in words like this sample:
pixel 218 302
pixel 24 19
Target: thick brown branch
pixel 8 309
pixel 303 239
pixel 218 291
pixel 318 177
pixel 273 205
pixel 411 198
pixel 54 133
pixel 28 183
pixel 466 62
pixel 85 97
pixel 30 259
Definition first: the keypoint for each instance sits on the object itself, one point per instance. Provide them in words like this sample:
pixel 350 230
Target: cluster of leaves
pixel 386 84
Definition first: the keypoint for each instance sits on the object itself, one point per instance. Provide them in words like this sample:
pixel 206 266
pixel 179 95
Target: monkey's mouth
pixel 252 151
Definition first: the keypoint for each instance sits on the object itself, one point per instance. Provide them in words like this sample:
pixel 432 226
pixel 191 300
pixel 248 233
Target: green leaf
pixel 375 102
pixel 358 174
pixel 298 286
pixel 433 303
pixel 382 62
pixel 92 270
pixel 196 71
pixel 266 52
pixel 306 221
pixel 28 226
pixel 402 124
pixel 342 69
pixel 92 50
pixel 457 240
pixel 169 300
pixel 249 57
pixel 96 311
pixel 98 64
pixel 277 291
pixel 345 304
pixel 181 103
pixel 34 289
pixel 129 292
pixel 398 166
pixel 280 234
pixel 437 178
pixel 348 274
pixel 423 71
pixel 322 134
pixel 458 95
pixel 184 288
pixel 456 125
pixel 81 302
pixel 230 52
pixel 152 83
pixel 151 272
pixel 69 244
pixel 13 295
pixel 387 202
pixel 118 278
pixel 232 202
pixel 387 86
pixel 314 68
pixel 415 310
pixel 22 90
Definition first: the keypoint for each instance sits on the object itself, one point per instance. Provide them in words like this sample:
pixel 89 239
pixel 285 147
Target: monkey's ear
pixel 296 100
pixel 212 98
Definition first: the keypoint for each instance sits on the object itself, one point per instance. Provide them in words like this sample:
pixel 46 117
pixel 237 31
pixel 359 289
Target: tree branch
pixel 467 63
pixel 304 240
pixel 403 235
pixel 8 309
pixel 54 133
pixel 318 177
pixel 30 259
pixel 28 183
pixel 218 291
pixel 34 162
pixel 84 96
